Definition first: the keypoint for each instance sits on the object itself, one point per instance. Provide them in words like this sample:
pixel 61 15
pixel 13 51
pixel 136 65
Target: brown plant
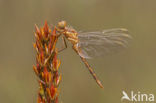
pixel 47 64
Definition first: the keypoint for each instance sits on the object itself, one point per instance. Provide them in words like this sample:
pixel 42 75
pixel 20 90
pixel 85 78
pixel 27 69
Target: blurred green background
pixel 132 69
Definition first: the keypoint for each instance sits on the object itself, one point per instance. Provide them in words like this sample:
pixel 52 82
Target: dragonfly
pixel 93 44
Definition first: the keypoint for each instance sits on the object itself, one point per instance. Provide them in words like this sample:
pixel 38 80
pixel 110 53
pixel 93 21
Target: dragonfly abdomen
pixel 92 72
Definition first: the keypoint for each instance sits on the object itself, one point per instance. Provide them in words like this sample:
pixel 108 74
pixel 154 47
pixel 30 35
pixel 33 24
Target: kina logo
pixel 137 96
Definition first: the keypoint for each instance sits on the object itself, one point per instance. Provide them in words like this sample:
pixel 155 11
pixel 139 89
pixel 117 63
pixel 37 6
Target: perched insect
pixel 92 44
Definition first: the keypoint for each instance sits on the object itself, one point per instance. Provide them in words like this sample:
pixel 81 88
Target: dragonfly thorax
pixel 71 36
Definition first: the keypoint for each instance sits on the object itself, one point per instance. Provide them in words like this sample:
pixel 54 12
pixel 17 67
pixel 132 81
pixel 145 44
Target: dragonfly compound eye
pixel 62 24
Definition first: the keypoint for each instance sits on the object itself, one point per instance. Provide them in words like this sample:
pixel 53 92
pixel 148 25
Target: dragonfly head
pixel 62 24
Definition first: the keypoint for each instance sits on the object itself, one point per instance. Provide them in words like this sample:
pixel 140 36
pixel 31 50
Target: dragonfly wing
pixel 92 44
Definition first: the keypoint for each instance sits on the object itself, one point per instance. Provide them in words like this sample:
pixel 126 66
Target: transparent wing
pixel 92 44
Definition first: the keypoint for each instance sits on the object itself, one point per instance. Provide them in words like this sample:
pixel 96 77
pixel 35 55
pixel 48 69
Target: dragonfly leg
pixel 64 45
